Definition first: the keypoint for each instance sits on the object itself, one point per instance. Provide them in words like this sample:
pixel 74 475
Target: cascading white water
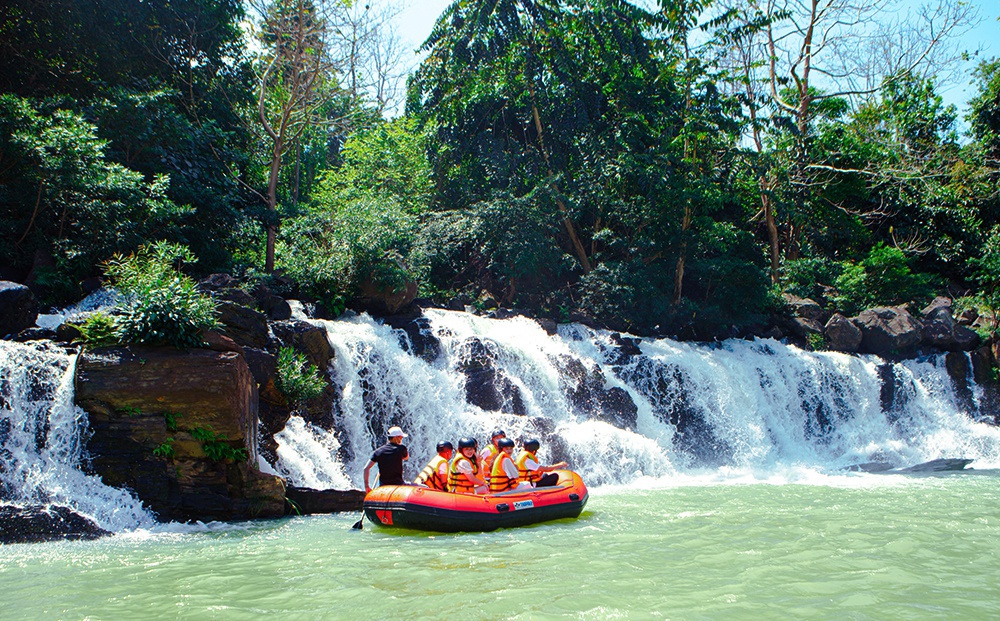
pixel 735 408
pixel 42 437
pixel 753 407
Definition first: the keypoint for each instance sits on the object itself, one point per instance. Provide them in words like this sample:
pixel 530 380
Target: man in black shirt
pixel 389 457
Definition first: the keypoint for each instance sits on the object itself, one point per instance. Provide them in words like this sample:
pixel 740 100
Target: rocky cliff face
pixel 179 428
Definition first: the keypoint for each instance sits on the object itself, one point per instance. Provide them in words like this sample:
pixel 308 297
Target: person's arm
pixel 552 467
pixel 367 470
pixel 466 469
pixel 510 469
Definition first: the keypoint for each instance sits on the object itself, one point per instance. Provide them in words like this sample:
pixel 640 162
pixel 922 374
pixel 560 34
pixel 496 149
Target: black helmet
pixel 445 445
pixel 465 443
pixel 505 443
pixel 532 445
pixel 498 433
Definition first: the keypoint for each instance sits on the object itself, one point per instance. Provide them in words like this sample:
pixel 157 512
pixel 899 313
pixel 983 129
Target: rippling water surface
pixel 864 547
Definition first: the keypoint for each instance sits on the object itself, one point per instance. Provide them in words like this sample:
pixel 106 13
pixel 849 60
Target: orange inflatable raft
pixel 420 508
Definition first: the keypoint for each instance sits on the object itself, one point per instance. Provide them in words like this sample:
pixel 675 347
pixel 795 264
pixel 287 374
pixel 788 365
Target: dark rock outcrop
pixel 18 308
pixel 486 384
pixel 383 301
pixel 37 523
pixel 171 425
pixel 888 330
pixel 841 334
pixel 244 325
pixel 308 501
pixel 591 398
pixel 941 330
pixel 306 338
pixel 669 392
pixel 274 306
pixel 807 309
pixel 416 335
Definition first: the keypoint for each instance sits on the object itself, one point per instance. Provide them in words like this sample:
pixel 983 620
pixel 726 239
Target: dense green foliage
pixel 161 306
pixel 573 158
pixel 298 380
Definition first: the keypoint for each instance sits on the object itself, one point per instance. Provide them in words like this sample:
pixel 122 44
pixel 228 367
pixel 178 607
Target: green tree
pixel 65 207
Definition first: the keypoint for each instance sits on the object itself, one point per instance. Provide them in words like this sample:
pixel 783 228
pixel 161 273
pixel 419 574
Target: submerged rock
pixel 486 383
pixel 938 465
pixel 37 523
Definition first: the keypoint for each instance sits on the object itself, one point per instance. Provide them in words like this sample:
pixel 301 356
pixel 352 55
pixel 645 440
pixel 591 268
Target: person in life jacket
pixel 491 451
pixel 463 471
pixel 528 468
pixel 504 476
pixel 435 473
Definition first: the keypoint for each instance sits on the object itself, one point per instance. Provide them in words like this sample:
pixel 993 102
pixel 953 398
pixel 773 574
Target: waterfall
pixel 621 408
pixel 42 433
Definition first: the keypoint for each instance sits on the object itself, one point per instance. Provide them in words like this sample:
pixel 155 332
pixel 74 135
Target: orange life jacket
pixel 522 469
pixel 431 474
pixel 491 454
pixel 458 482
pixel 499 481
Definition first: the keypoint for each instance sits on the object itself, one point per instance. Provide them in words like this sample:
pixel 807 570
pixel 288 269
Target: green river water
pixel 852 547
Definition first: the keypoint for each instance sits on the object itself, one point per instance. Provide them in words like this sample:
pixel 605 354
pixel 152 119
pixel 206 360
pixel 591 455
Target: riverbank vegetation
pixel 652 169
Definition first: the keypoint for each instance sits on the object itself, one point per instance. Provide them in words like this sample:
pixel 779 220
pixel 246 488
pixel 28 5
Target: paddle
pixel 360 524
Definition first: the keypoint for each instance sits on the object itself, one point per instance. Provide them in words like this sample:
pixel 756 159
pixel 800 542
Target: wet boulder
pixel 244 325
pixel 841 334
pixel 591 397
pixel 18 308
pixel 486 384
pixel 274 306
pixel 416 335
pixel 38 523
pixel 308 501
pixel 307 338
pixel 940 330
pixel 806 309
pixel 886 330
pixel 382 301
pixel 938 465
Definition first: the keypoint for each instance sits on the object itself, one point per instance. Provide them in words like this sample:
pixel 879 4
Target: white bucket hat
pixel 396 432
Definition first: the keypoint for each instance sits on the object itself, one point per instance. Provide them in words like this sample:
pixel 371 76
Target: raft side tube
pixel 427 509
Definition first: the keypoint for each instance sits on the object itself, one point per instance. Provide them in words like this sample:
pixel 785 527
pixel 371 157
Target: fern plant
pixel 298 379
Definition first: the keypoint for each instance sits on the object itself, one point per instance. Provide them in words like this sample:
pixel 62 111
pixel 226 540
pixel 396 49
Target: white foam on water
pixel 41 440
pixel 757 410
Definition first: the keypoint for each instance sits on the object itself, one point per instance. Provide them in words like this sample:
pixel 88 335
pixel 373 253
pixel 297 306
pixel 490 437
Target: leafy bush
pixel 162 305
pixel 166 449
pixel 334 249
pixel 804 277
pixel 99 329
pixel 216 446
pixel 882 278
pixel 987 274
pixel 298 380
pixel 387 160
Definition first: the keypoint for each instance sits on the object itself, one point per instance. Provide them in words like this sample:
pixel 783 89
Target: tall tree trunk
pixel 581 252
pixel 272 204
